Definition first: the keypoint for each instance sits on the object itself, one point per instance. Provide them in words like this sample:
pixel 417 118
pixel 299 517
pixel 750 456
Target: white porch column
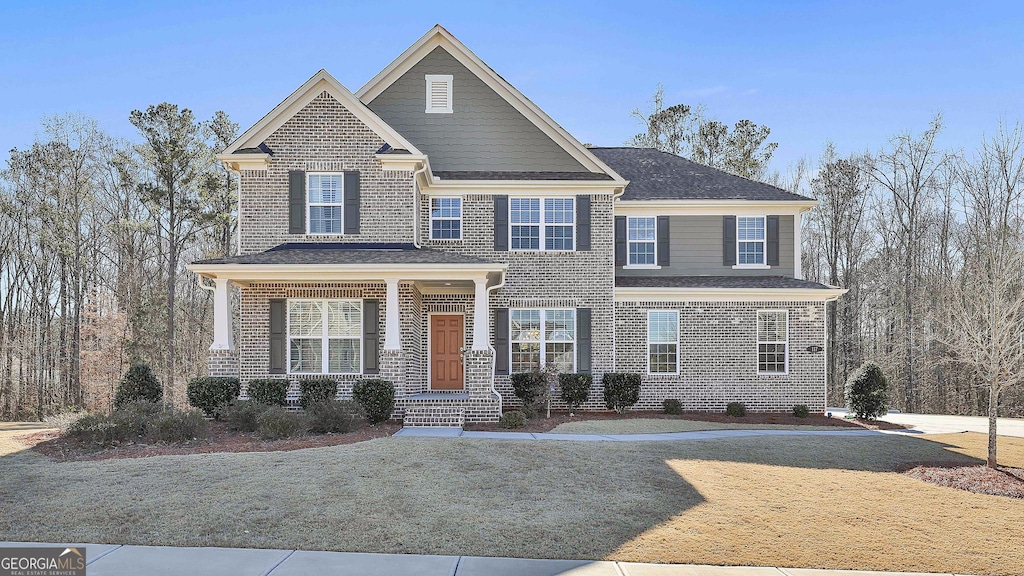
pixel 392 324
pixel 480 316
pixel 798 271
pixel 223 335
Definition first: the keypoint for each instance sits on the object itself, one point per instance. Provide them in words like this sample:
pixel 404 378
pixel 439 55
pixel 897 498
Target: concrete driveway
pixel 944 424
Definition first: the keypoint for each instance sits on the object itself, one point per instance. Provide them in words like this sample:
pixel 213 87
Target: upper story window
pixel 543 337
pixel 439 93
pixel 542 224
pixel 641 240
pixel 324 336
pixel 324 203
pixel 750 240
pixel 772 341
pixel 663 342
pixel 446 218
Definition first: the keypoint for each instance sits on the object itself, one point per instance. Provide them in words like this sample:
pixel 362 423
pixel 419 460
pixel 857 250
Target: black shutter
pixel 296 202
pixel 278 340
pixel 501 334
pixel 500 223
pixel 371 336
pixel 620 240
pixel 583 222
pixel 773 240
pixel 663 241
pixel 583 340
pixel 351 193
pixel 728 240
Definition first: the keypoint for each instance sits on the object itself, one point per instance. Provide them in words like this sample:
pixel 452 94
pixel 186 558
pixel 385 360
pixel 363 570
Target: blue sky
pixel 855 73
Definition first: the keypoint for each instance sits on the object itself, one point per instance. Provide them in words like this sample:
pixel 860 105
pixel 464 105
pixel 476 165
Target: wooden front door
pixel 446 334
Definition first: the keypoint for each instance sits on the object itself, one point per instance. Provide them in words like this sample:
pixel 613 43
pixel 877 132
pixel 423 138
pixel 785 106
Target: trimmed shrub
pixel 276 423
pixel 575 389
pixel 138 383
pixel 376 397
pixel 317 390
pixel 738 409
pixel 331 417
pixel 243 415
pixel 212 393
pixel 867 391
pixel 672 406
pixel 528 387
pixel 270 391
pixel 513 419
pixel 801 411
pixel 621 390
pixel 177 426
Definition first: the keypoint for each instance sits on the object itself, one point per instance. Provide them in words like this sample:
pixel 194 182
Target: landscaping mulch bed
pixel 542 424
pixel 222 439
pixel 1002 481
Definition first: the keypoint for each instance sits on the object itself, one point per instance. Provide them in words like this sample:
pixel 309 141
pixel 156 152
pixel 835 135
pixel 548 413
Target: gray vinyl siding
pixel 696 250
pixel 484 132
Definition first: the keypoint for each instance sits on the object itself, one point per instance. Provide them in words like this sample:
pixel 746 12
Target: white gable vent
pixel 439 93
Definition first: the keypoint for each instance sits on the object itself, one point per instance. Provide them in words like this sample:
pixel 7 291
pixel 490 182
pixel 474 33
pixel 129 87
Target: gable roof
pixel 657 175
pixel 439 37
pixel 321 82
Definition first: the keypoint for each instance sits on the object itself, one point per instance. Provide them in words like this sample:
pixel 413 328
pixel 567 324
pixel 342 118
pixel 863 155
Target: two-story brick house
pixel 437 229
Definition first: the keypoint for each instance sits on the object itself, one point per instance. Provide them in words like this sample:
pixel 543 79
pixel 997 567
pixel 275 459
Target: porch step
pixel 434 417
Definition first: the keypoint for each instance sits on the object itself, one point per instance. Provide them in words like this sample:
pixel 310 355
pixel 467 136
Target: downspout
pixel 494 353
pixel 416 206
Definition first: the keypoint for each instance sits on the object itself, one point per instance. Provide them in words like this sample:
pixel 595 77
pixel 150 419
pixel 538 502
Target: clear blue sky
pixel 854 73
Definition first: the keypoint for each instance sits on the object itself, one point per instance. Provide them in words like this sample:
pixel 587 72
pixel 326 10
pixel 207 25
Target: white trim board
pixel 727 294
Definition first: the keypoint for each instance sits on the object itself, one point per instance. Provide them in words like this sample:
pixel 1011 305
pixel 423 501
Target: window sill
pixel 641 267
pixel 446 240
pixel 773 373
pixel 751 267
pixel 327 234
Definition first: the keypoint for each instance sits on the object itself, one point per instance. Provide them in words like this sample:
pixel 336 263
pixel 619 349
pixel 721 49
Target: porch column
pixel 480 316
pixel 392 324
pixel 223 335
pixel 798 272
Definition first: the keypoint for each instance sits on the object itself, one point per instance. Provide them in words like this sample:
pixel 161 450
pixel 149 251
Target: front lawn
pixel 828 502
pixel 665 425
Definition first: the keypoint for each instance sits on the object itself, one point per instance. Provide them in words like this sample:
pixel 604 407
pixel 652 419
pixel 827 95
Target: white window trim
pixel 654 266
pixel 432 218
pixel 764 243
pixel 647 350
pixel 758 342
pixel 448 80
pixel 325 361
pixel 340 204
pixel 542 224
pixel 543 341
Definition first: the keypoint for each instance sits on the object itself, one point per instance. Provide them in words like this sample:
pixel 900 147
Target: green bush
pixel 801 411
pixel 136 416
pixel 177 426
pixel 138 383
pixel 672 406
pixel 867 391
pixel 621 390
pixel 212 393
pixel 528 387
pixel 513 419
pixel 376 397
pixel 331 417
pixel 243 415
pixel 317 390
pixel 738 409
pixel 99 430
pixel 270 392
pixel 276 423
pixel 575 389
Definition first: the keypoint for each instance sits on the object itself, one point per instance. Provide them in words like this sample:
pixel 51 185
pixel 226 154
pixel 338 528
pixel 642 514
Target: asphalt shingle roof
pixel 350 253
pixel 772 282
pixel 465 175
pixel 657 175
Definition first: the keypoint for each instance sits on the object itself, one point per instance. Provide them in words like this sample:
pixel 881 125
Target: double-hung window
pixel 750 240
pixel 325 336
pixel 641 240
pixel 663 342
pixel 543 337
pixel 324 203
pixel 542 223
pixel 772 341
pixel 446 218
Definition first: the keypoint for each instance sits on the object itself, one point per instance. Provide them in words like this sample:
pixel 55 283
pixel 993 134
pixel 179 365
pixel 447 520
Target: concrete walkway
pixel 946 424
pixel 115 560
pixel 426 432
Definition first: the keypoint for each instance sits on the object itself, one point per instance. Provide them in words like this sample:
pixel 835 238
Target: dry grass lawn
pixel 828 502
pixel 663 425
